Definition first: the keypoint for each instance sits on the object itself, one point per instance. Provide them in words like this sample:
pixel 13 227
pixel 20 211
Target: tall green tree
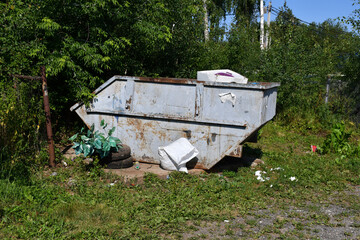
pixel 81 43
pixel 352 67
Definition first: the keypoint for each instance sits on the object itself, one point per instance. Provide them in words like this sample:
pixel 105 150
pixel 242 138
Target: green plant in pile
pixel 91 142
pixel 337 141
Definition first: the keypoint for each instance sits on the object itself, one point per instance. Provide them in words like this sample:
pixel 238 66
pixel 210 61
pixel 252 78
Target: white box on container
pixel 221 75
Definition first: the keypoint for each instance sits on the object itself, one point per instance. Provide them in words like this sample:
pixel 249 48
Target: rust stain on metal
pixel 265 83
pixel 170 80
pixel 200 166
pixel 187 133
pixel 197 109
pixel 213 137
pixel 167 116
pixel 237 152
pixel 128 103
pixel 26 77
pixel 144 158
pixel 136 123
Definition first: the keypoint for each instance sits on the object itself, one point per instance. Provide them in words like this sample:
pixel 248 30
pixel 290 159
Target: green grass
pixel 79 203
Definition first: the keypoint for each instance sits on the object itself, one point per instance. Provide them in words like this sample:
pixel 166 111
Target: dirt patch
pixel 319 221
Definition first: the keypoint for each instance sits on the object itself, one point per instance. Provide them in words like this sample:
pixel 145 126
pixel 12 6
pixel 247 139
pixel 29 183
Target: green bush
pixel 95 142
pixel 337 141
pixel 22 126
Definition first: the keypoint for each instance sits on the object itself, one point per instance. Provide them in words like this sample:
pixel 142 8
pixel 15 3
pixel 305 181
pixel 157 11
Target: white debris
pixel 259 177
pixel 226 221
pixel 71 182
pixel 224 97
pixel 276 169
pixel 258 173
pixel 293 179
pixel 271 185
pixel 112 184
pixel 65 164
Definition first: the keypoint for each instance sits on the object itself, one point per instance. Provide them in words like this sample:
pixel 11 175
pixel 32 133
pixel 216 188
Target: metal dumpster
pixel 216 117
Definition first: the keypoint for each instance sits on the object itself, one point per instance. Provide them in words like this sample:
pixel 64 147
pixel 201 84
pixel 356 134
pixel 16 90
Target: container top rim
pixel 182 81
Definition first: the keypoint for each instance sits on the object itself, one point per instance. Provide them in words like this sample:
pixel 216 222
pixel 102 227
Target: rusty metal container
pixel 216 117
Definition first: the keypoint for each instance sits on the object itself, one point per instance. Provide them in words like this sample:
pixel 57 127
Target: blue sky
pixel 313 10
pixel 317 10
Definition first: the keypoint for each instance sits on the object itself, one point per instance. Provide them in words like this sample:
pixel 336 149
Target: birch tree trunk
pixel 261 24
pixel 267 41
pixel 206 22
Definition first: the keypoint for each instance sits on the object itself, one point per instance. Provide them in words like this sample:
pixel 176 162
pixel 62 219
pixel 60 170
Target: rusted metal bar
pixel 47 111
pixel 48 118
pixel 26 77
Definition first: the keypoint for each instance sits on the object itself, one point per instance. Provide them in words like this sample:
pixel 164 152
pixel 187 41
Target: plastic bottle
pixel 137 165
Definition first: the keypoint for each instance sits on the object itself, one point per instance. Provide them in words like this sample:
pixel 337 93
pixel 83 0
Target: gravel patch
pixel 312 221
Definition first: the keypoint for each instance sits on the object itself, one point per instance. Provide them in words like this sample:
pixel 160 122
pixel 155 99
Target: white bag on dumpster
pixel 175 155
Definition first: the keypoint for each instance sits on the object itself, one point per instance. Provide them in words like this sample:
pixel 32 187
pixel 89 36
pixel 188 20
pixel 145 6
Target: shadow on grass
pixel 228 163
pixel 66 149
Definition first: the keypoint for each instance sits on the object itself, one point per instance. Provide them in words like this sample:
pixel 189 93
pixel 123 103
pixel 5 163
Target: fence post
pixel 48 118
pixel 47 111
pixel 327 89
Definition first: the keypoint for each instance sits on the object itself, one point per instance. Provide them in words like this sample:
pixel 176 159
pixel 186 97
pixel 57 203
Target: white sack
pixel 175 155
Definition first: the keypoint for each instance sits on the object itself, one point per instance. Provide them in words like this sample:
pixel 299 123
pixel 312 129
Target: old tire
pixel 122 153
pixel 124 163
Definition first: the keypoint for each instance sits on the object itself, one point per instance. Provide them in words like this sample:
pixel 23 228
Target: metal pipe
pixel 26 77
pixel 47 111
pixel 48 118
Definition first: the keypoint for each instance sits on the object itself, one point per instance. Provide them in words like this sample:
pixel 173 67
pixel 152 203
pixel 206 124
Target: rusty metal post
pixel 48 118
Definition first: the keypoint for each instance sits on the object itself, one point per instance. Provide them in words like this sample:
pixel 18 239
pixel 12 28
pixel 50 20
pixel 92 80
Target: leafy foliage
pixel 83 43
pixel 21 127
pixel 95 142
pixel 338 142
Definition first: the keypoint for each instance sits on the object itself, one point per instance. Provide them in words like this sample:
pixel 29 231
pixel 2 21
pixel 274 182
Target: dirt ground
pixel 312 221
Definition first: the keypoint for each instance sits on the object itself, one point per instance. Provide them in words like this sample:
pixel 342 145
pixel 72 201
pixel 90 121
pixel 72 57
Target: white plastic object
pixel 175 155
pixel 224 97
pixel 221 75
